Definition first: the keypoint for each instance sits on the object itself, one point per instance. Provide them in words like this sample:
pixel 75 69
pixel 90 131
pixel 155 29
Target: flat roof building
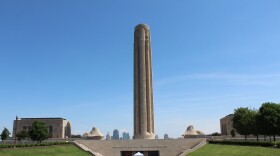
pixel 57 127
pixel 226 124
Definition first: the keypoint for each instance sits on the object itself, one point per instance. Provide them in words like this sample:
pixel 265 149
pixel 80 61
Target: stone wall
pixel 171 147
pixel 226 124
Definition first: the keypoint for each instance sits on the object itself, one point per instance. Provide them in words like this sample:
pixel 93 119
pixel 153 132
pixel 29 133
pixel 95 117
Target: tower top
pixel 142 25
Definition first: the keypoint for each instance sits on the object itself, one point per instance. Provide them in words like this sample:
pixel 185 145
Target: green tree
pixel 243 121
pixel 232 132
pixel 5 134
pixel 261 125
pixel 38 132
pixel 270 118
pixel 22 135
pixel 278 123
pixel 256 128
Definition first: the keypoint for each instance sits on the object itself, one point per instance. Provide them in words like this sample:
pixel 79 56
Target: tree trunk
pixel 245 137
pixel 257 137
pixel 274 138
pixel 270 138
pixel 264 137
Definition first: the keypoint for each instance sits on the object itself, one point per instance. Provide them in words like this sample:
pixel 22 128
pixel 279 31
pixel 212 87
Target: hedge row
pixel 33 145
pixel 247 143
pixel 278 144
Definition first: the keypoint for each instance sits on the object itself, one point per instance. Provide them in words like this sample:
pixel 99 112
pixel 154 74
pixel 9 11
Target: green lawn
pixel 66 150
pixel 231 150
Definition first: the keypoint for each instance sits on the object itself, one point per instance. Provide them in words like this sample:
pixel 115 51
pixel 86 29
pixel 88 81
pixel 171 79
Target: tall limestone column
pixel 143 86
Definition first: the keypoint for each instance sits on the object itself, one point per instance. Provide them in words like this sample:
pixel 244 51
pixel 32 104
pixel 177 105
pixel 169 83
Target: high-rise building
pixel 166 136
pixel 115 135
pixel 108 137
pixel 156 136
pixel 143 84
pixel 126 136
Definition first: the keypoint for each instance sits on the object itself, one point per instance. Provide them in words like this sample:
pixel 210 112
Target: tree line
pixel 38 132
pixel 263 121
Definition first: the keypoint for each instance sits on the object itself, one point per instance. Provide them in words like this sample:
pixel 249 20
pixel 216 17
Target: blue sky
pixel 74 59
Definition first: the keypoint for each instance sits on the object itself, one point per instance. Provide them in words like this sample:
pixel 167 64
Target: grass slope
pixel 66 150
pixel 232 150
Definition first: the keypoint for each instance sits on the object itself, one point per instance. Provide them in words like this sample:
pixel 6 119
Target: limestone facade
pixel 143 86
pixel 157 147
pixel 57 127
pixel 226 124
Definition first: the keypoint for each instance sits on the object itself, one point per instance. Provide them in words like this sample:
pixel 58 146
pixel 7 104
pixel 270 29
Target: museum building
pixel 57 127
pixel 226 124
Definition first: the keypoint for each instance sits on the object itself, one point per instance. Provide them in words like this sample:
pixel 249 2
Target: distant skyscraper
pixel 108 137
pixel 115 135
pixel 166 136
pixel 126 136
pixel 156 137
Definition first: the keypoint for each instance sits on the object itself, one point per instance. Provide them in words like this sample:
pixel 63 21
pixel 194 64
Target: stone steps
pixel 195 147
pixel 166 147
pixel 84 148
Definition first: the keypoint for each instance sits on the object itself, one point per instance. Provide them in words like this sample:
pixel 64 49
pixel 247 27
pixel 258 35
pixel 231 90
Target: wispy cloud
pixel 233 78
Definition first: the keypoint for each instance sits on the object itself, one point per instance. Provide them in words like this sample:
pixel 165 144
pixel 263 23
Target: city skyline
pixel 75 60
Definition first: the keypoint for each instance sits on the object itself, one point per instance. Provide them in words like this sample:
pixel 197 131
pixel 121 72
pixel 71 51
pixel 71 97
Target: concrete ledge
pixel 169 147
pixel 194 148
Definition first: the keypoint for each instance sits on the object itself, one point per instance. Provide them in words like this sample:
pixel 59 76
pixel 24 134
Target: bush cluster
pixel 34 145
pixel 247 143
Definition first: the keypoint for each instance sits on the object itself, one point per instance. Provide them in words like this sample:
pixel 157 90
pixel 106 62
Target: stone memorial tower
pixel 143 84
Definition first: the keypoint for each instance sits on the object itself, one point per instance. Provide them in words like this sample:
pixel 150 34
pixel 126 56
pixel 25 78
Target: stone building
pixel 57 127
pixel 226 124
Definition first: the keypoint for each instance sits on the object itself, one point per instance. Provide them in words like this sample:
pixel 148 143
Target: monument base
pixel 146 136
pixel 154 147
